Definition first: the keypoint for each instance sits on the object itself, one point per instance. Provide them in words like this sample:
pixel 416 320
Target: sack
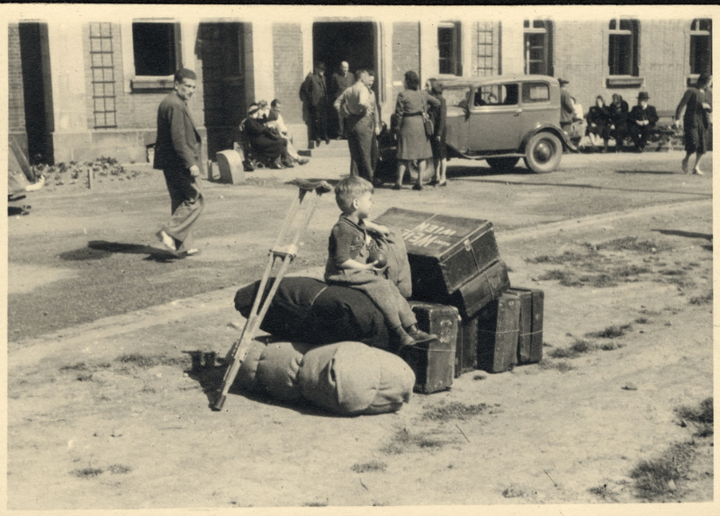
pixel 427 121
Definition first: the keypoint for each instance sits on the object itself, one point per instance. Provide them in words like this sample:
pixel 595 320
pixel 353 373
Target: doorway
pixel 36 91
pixel 354 42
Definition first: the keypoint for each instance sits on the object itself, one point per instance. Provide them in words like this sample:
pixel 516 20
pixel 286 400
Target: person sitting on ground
pixel 275 121
pixel 618 114
pixel 643 118
pixel 599 122
pixel 347 265
pixel 264 142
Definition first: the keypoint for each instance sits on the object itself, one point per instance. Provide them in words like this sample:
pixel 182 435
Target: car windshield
pixel 456 97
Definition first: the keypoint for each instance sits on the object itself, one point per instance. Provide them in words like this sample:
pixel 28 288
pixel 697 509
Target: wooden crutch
pixel 308 195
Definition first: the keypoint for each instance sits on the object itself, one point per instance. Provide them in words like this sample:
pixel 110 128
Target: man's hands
pixel 195 171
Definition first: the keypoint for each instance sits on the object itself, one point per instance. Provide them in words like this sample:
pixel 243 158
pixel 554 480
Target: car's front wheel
pixel 502 164
pixel 543 153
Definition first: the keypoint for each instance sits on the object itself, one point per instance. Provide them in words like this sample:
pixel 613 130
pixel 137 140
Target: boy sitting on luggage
pixel 349 251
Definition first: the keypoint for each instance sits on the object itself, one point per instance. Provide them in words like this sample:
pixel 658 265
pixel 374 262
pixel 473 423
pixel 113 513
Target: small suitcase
pixel 444 252
pixel 498 329
pixel 487 286
pixel 530 336
pixel 467 346
pixel 434 362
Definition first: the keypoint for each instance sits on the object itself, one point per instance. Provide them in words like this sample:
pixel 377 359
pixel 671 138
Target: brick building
pixel 77 92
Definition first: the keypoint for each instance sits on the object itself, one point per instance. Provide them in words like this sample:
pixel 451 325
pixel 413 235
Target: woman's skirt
pixel 413 143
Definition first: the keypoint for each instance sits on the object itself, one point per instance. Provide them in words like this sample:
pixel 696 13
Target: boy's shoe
pixel 418 335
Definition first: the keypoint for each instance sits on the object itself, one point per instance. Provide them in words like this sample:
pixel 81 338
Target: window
pixel 156 48
pixel 701 46
pixel 538 47
pixel 535 92
pixel 623 47
pixel 449 49
pixel 505 94
pixel 456 97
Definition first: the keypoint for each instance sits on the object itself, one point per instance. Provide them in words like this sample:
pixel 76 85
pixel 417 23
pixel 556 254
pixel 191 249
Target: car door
pixel 457 121
pixel 495 118
pixel 537 107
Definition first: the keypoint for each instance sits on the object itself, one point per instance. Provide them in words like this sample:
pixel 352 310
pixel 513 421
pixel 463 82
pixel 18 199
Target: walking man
pixel 314 95
pixel 362 124
pixel 177 154
pixel 340 82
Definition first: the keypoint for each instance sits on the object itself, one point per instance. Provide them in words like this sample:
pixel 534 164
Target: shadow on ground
pixel 99 249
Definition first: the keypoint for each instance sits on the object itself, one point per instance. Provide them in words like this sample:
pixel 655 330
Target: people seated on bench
pixel 266 145
pixel 642 120
pixel 599 123
pixel 275 121
pixel 618 114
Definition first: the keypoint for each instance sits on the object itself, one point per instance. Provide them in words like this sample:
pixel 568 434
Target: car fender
pixel 550 128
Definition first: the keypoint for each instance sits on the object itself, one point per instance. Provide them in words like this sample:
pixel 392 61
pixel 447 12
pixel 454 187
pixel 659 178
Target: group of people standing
pixel 318 99
pixel 617 121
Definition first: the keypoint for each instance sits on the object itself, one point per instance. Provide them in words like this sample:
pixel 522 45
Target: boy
pixel 349 251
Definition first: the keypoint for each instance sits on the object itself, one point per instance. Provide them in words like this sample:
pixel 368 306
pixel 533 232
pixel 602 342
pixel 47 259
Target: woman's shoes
pixel 397 187
pixel 444 183
pixel 417 186
pixel 302 161
pixel 698 172
pixel 434 182
pixel 684 166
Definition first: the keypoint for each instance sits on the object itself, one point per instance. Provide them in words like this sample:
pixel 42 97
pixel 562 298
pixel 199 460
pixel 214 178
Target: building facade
pixel 78 92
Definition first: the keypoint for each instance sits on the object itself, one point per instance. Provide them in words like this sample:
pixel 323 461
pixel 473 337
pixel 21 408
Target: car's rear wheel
pixel 543 153
pixel 502 164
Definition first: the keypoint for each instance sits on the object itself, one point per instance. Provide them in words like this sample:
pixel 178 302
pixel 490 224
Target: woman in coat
pixel 618 114
pixel 265 143
pixel 439 151
pixel 696 121
pixel 599 122
pixel 413 143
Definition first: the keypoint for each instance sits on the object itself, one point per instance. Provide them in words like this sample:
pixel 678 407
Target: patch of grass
pixel 579 347
pixel 600 281
pixel 454 410
pixel 702 416
pixel 88 472
pixel 610 346
pixel 657 479
pixel 561 366
pixel 603 492
pixel 404 441
pixel 119 469
pixel 566 278
pixel 80 366
pixel 148 361
pixel 87 377
pixel 611 332
pixel 566 257
pixel 642 320
pixel 702 300
pixel 633 244
pixel 372 466
pixel 316 504
pixel 627 271
pixel 513 492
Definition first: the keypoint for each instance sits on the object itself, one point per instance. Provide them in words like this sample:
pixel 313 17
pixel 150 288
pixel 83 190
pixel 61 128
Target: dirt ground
pixel 105 414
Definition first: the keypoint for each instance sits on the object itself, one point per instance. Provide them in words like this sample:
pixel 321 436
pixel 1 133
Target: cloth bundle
pixel 346 378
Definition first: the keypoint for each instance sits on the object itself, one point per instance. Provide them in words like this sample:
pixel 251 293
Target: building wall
pixel 288 69
pixel 581 56
pixel 405 55
pixel 16 100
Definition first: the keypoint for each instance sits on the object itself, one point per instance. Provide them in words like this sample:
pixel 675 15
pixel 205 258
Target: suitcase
pixel 530 336
pixel 434 362
pixel 498 329
pixel 487 286
pixel 466 347
pixel 444 252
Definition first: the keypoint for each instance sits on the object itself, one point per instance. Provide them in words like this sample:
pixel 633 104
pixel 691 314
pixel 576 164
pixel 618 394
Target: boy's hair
pixel 349 189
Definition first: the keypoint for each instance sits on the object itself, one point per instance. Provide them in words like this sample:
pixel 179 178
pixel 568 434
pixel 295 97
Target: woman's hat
pixel 643 95
pixel 563 82
pixel 253 109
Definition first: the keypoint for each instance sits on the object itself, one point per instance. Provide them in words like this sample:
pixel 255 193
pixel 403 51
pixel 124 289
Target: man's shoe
pixel 288 164
pixel 166 240
pixel 327 141
pixel 192 252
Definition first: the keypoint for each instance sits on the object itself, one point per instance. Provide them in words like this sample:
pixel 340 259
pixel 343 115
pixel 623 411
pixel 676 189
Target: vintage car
pixel 504 118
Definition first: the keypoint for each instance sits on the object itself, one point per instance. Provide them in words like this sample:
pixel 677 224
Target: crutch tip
pixel 217 405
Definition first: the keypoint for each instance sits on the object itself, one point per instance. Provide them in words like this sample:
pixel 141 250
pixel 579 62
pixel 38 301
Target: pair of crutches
pixel 293 228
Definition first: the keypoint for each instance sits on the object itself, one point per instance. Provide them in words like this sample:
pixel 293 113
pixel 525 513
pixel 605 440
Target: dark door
pixel 354 42
pixel 36 90
pixel 222 52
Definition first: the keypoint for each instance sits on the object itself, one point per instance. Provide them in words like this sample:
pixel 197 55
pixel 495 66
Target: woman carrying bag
pixel 413 141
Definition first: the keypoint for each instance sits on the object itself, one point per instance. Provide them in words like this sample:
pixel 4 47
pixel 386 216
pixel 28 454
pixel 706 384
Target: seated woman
pixel 266 144
pixel 599 122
